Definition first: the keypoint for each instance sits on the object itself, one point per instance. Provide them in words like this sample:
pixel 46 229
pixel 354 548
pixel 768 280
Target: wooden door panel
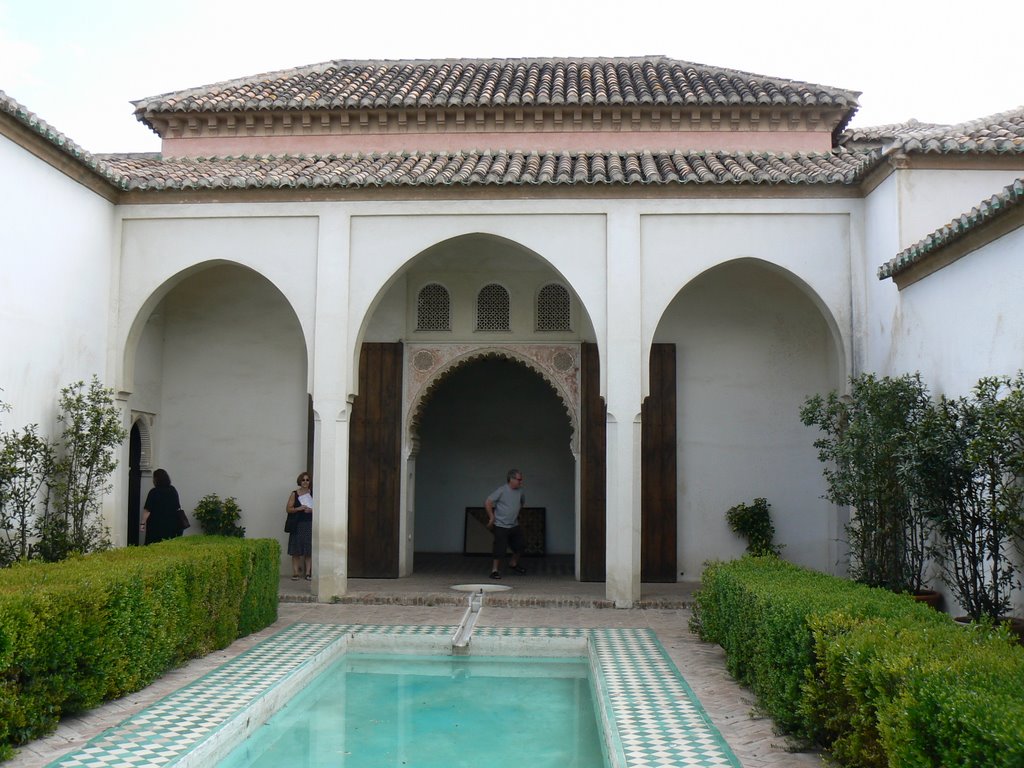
pixel 374 464
pixel 593 447
pixel 658 522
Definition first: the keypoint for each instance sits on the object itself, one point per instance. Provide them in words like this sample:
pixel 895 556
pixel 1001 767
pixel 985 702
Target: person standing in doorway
pixel 503 518
pixel 160 519
pixel 300 540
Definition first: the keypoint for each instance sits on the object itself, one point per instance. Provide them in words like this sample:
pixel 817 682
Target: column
pixel 622 366
pixel 330 375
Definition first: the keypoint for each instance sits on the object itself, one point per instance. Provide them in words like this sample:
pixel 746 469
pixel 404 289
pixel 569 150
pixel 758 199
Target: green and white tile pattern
pixel 657 721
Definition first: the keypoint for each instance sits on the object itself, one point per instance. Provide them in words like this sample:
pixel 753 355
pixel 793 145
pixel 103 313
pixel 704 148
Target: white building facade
pixel 409 277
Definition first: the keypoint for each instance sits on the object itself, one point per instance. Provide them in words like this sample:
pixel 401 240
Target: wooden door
pixel 658 470
pixel 375 445
pixel 593 491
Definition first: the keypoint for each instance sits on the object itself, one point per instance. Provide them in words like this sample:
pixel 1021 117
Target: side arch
pixel 753 341
pixel 131 335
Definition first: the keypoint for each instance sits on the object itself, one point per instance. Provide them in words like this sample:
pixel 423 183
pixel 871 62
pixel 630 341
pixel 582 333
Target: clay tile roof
pixel 1002 133
pixel 1008 199
pixel 501 168
pixel 35 124
pixel 651 80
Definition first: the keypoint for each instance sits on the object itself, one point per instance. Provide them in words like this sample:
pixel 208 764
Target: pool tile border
pixel 657 719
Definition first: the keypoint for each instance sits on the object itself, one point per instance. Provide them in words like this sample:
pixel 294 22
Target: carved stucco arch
pixel 427 365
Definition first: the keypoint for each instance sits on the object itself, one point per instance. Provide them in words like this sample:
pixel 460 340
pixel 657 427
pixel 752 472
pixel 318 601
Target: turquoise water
pixel 372 711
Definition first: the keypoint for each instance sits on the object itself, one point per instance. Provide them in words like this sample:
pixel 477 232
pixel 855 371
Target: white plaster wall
pixel 874 300
pixel 930 199
pixel 162 245
pixel 966 320
pixel 232 405
pixel 382 244
pixel 149 365
pixel 750 347
pixel 815 247
pixel 963 322
pixel 55 261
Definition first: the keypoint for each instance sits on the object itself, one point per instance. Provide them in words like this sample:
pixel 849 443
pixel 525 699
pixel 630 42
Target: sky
pixel 78 64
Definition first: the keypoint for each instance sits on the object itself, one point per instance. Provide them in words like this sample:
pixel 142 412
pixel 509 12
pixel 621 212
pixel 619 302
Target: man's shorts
pixel 503 537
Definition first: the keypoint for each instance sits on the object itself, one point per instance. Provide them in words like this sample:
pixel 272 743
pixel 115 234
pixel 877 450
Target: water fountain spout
pixel 464 632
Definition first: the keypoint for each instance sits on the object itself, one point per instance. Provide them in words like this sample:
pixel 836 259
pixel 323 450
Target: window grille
pixel 553 308
pixel 492 309
pixel 433 308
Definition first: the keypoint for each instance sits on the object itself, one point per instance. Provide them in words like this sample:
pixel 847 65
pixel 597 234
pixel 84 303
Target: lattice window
pixel 492 309
pixel 553 308
pixel 433 308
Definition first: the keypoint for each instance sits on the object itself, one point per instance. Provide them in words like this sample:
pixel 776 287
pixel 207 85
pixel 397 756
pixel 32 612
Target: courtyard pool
pixel 647 715
pixel 433 712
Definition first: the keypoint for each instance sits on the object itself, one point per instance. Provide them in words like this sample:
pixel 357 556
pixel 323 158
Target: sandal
pixel 518 569
pixel 495 575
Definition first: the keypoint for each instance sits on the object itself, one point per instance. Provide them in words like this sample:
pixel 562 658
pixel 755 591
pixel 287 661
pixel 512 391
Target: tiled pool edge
pixel 650 713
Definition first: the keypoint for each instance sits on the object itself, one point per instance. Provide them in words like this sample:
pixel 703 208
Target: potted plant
pixel 975 448
pixel 219 518
pixel 754 523
pixel 867 448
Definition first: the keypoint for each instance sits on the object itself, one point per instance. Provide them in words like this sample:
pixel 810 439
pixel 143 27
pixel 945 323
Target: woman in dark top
pixel 160 512
pixel 300 540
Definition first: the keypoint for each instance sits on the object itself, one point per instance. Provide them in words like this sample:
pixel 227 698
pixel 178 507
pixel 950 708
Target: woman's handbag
pixel 290 523
pixel 183 521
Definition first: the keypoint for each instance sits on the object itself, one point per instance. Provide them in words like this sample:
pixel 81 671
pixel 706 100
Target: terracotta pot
pixel 929 597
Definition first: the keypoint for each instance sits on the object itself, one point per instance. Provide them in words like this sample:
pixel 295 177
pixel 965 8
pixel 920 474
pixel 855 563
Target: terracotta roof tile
pixel 1002 133
pixel 20 114
pixel 151 172
pixel 654 80
pixel 998 205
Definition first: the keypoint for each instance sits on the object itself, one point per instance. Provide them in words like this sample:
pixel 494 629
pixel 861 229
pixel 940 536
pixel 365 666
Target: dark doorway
pixel 484 417
pixel 134 484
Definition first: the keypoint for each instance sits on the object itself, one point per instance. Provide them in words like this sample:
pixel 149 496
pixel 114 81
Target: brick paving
pixel 544 601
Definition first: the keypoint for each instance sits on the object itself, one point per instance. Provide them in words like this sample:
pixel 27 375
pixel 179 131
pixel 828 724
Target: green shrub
pixel 93 628
pixel 754 523
pixel 219 518
pixel 897 692
pixel 876 678
pixel 759 609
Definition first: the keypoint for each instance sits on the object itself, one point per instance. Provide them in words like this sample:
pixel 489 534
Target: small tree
pixel 219 518
pixel 26 460
pixel 754 523
pixel 84 462
pixel 975 447
pixel 866 448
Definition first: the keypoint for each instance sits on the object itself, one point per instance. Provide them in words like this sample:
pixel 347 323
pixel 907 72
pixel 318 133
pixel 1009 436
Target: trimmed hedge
pixel 875 677
pixel 898 693
pixel 76 633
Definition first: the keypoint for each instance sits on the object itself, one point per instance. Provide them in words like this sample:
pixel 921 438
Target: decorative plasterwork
pixel 426 365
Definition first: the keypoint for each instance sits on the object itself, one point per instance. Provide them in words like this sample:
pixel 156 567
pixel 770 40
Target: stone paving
pixel 730 707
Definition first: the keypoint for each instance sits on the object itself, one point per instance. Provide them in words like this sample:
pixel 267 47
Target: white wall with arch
pixel 751 346
pixel 221 364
